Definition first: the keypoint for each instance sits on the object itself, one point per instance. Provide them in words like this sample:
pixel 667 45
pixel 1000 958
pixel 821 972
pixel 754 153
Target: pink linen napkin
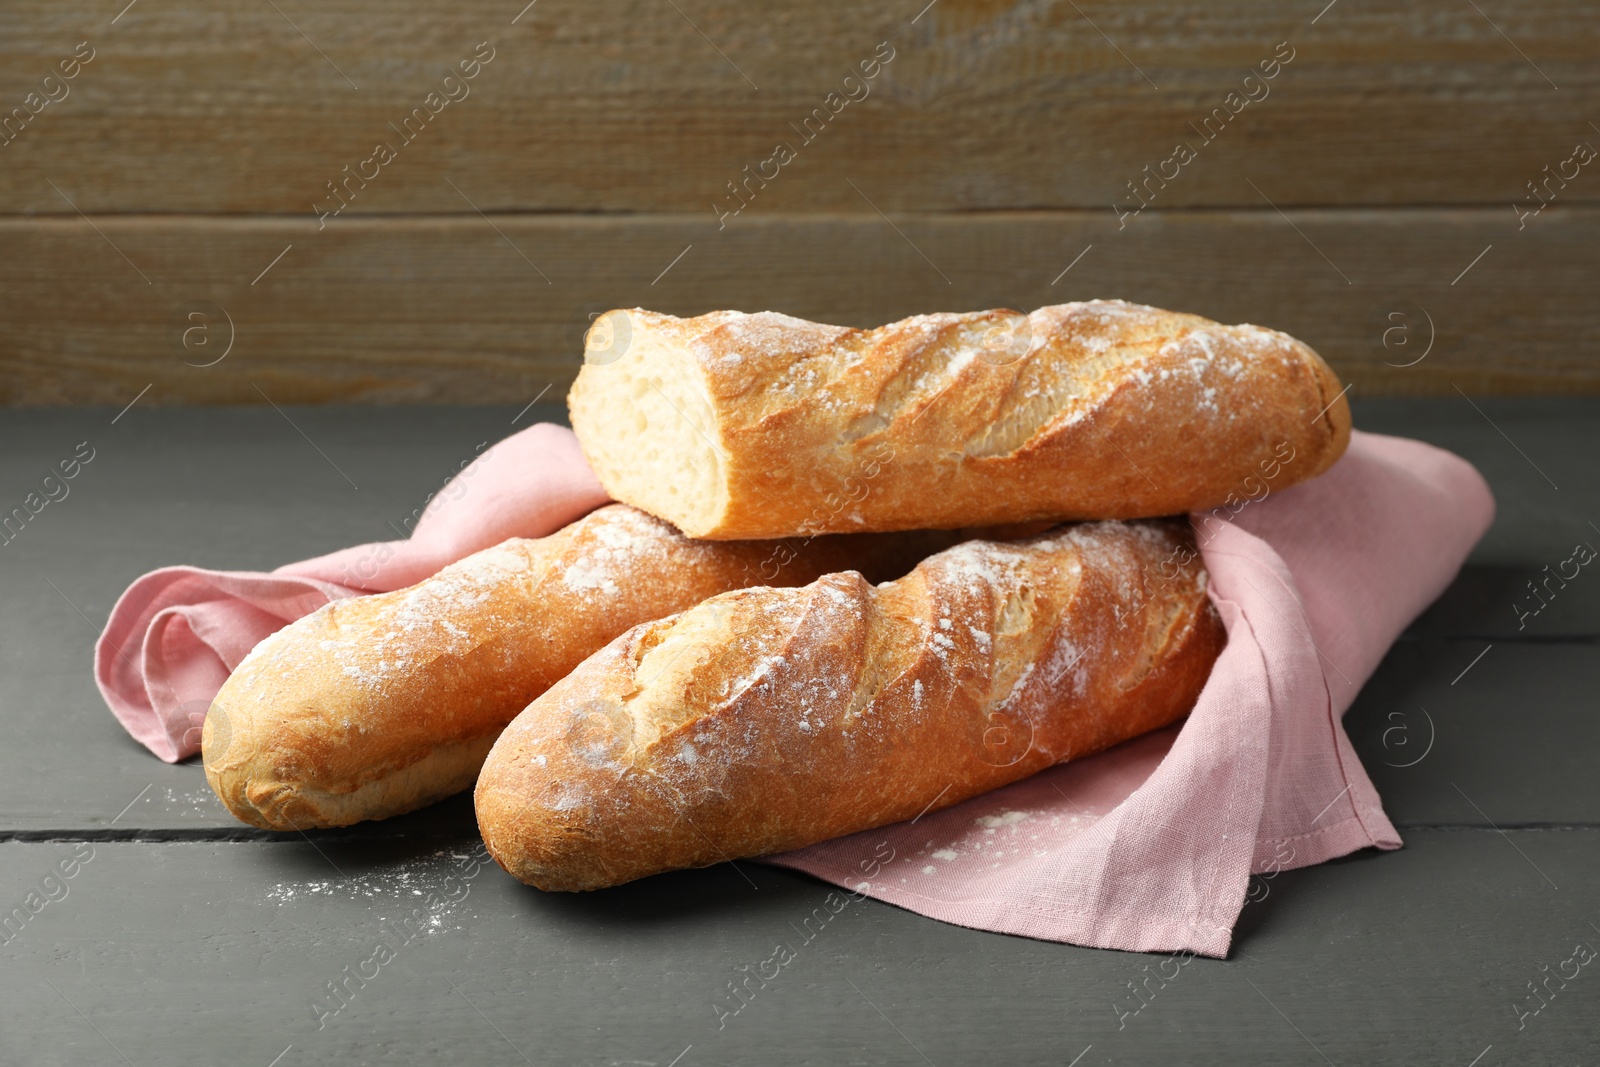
pixel 1150 846
pixel 177 633
pixel 1146 847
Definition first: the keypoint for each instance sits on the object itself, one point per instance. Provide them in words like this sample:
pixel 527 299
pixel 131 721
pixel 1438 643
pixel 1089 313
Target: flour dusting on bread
pixel 737 425
pixel 767 719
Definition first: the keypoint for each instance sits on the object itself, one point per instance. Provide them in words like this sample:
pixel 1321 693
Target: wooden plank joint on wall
pixel 409 203
pixel 468 309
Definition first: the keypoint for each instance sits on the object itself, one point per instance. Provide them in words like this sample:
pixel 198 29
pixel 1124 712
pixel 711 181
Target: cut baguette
pixel 735 426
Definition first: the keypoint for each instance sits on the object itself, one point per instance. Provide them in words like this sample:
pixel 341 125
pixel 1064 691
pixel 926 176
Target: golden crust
pixel 378 705
pixel 1093 410
pixel 768 719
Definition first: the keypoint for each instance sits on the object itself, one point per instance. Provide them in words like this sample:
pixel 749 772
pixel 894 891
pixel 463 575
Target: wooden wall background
pixel 1366 204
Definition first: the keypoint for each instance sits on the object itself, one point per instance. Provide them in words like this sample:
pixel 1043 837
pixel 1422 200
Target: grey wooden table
pixel 182 937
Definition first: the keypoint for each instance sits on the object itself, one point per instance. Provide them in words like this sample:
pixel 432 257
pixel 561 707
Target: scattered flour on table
pixel 399 882
pixel 194 803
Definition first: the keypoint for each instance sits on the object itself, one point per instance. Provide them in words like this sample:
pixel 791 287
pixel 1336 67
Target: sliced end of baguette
pixel 761 425
pixel 642 410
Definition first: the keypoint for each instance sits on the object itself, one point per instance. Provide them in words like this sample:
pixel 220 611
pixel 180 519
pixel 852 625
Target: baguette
pixel 377 705
pixel 768 719
pixel 732 425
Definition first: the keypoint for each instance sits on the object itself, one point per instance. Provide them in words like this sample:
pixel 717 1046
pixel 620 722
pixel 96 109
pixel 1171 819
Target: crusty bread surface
pixel 734 425
pixel 377 705
pixel 764 720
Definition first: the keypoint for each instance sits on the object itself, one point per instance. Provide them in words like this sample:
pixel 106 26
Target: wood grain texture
pixel 605 138
pixel 1412 956
pixel 626 106
pixel 470 309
